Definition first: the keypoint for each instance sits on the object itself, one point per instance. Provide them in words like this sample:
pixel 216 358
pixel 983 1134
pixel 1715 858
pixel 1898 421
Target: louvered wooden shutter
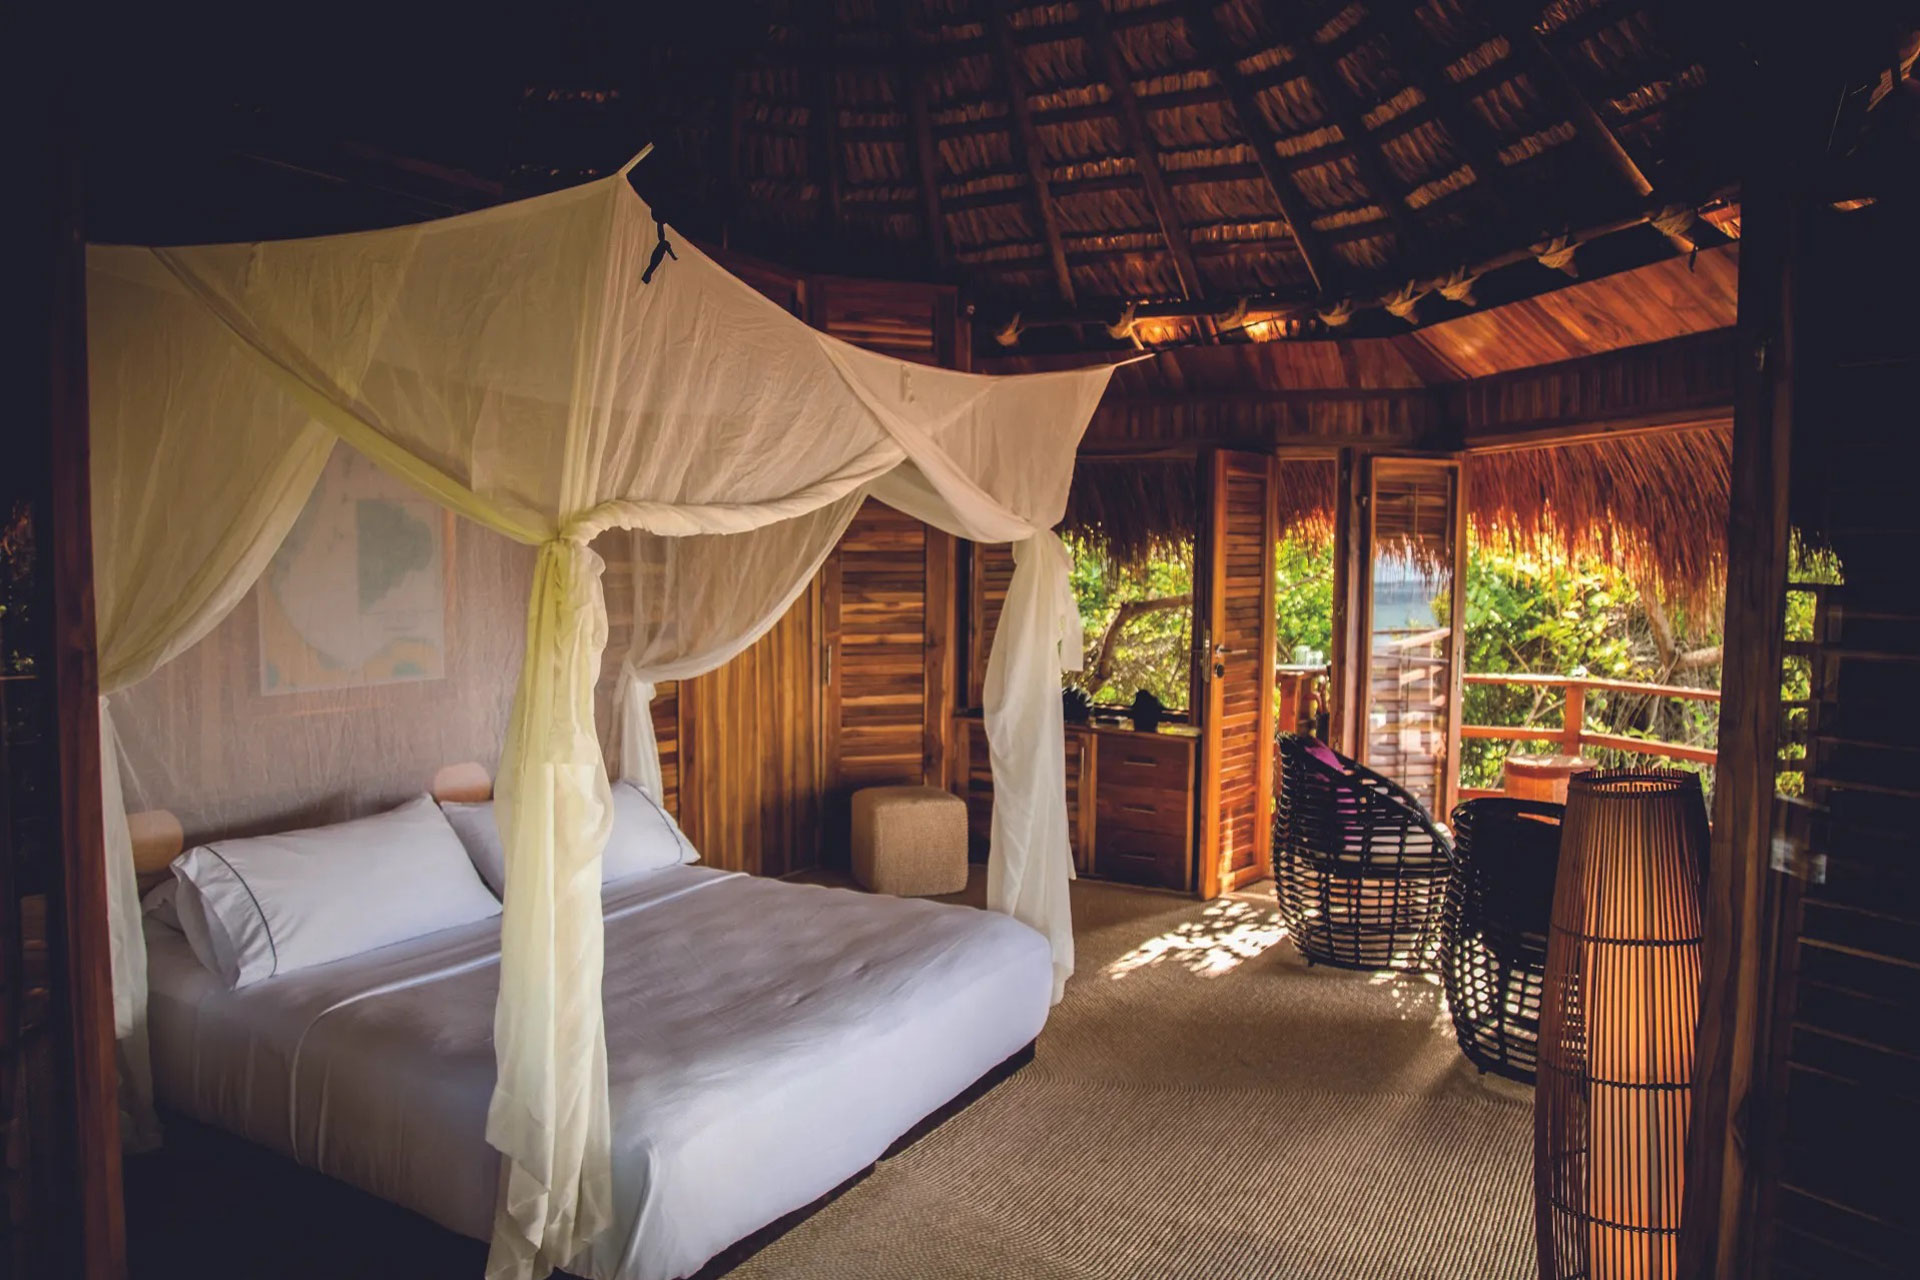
pixel 1235 571
pixel 990 572
pixel 876 689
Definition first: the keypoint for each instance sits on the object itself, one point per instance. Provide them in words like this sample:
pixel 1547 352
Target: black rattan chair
pixel 1493 938
pixel 1359 868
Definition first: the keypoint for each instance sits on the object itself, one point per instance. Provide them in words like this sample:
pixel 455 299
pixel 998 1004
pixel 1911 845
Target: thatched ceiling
pixel 1187 156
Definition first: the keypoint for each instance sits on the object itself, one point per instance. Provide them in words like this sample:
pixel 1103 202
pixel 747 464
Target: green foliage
pixel 1522 616
pixel 1154 648
pixel 1578 620
pixel 1809 566
pixel 1303 596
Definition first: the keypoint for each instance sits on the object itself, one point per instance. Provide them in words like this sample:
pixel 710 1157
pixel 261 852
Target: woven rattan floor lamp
pixel 1616 1026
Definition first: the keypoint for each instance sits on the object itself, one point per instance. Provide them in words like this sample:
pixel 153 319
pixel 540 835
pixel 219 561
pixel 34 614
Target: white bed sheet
pixel 766 1041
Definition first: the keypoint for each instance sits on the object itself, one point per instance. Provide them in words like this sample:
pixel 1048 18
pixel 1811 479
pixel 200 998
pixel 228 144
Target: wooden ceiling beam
pixel 1533 52
pixel 1369 155
pixel 926 153
pixel 1146 159
pixel 1299 307
pixel 1212 46
pixel 1026 144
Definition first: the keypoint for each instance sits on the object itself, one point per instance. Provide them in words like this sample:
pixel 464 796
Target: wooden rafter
pixel 1212 46
pixel 1533 52
pixel 1133 126
pixel 1337 99
pixel 1419 60
pixel 926 154
pixel 1026 143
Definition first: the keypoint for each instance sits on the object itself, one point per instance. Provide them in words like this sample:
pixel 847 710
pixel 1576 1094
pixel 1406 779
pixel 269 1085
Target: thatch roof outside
pixel 1651 508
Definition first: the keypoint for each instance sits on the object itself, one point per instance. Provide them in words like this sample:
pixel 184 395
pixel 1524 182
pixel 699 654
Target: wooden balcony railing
pixel 1572 734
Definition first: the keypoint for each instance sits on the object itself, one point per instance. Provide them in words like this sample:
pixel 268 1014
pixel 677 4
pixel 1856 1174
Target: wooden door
pixel 1233 573
pixel 1410 643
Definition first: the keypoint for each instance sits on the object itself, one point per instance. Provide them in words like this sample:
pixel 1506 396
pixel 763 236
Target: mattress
pixel 766 1041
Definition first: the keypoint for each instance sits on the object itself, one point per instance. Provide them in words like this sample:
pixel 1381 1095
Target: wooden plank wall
pixel 1686 380
pixel 749 736
pixel 1838 1193
pixel 1262 419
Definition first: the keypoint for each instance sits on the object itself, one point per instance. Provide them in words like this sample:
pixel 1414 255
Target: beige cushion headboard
pixel 465 783
pixel 157 840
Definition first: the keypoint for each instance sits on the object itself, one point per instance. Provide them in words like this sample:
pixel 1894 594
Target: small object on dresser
pixel 909 841
pixel 1075 706
pixel 1146 711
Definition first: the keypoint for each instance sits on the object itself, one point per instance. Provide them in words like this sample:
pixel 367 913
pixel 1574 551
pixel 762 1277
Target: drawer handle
pixel 1140 808
pixel 1146 760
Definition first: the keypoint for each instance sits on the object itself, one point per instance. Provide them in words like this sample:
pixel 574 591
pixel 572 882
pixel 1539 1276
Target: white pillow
pixel 159 905
pixel 644 838
pixel 274 904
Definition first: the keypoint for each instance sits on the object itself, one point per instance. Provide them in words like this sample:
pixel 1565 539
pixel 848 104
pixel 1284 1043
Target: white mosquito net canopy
pixel 513 366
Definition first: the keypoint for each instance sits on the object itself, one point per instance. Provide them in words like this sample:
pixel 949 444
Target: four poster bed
pixel 747 1080
pixel 546 371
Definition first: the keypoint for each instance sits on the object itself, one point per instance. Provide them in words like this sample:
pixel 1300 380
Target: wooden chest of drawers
pixel 1143 807
pixel 1130 799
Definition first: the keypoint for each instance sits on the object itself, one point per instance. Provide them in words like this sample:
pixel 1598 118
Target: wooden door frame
pixel 1349 601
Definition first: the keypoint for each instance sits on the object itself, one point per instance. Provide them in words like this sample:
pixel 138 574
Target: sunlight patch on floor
pixel 1228 933
pixel 1417 997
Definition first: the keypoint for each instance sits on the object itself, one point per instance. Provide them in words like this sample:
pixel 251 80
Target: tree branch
pixel 1102 667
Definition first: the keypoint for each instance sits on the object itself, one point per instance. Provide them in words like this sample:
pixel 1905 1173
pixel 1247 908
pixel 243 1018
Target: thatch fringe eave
pixel 1651 508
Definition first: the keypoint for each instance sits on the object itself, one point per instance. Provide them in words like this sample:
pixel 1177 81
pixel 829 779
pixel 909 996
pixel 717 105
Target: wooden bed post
pixel 81 1183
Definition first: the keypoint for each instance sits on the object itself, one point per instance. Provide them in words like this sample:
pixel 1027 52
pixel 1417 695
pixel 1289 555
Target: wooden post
pixel 1349 591
pixel 88 1238
pixel 1721 1186
pixel 1573 724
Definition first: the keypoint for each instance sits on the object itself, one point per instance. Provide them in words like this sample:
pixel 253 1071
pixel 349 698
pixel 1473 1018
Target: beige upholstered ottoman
pixel 909 841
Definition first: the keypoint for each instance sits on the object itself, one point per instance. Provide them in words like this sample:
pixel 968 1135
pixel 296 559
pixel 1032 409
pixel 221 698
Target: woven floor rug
pixel 1203 1104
